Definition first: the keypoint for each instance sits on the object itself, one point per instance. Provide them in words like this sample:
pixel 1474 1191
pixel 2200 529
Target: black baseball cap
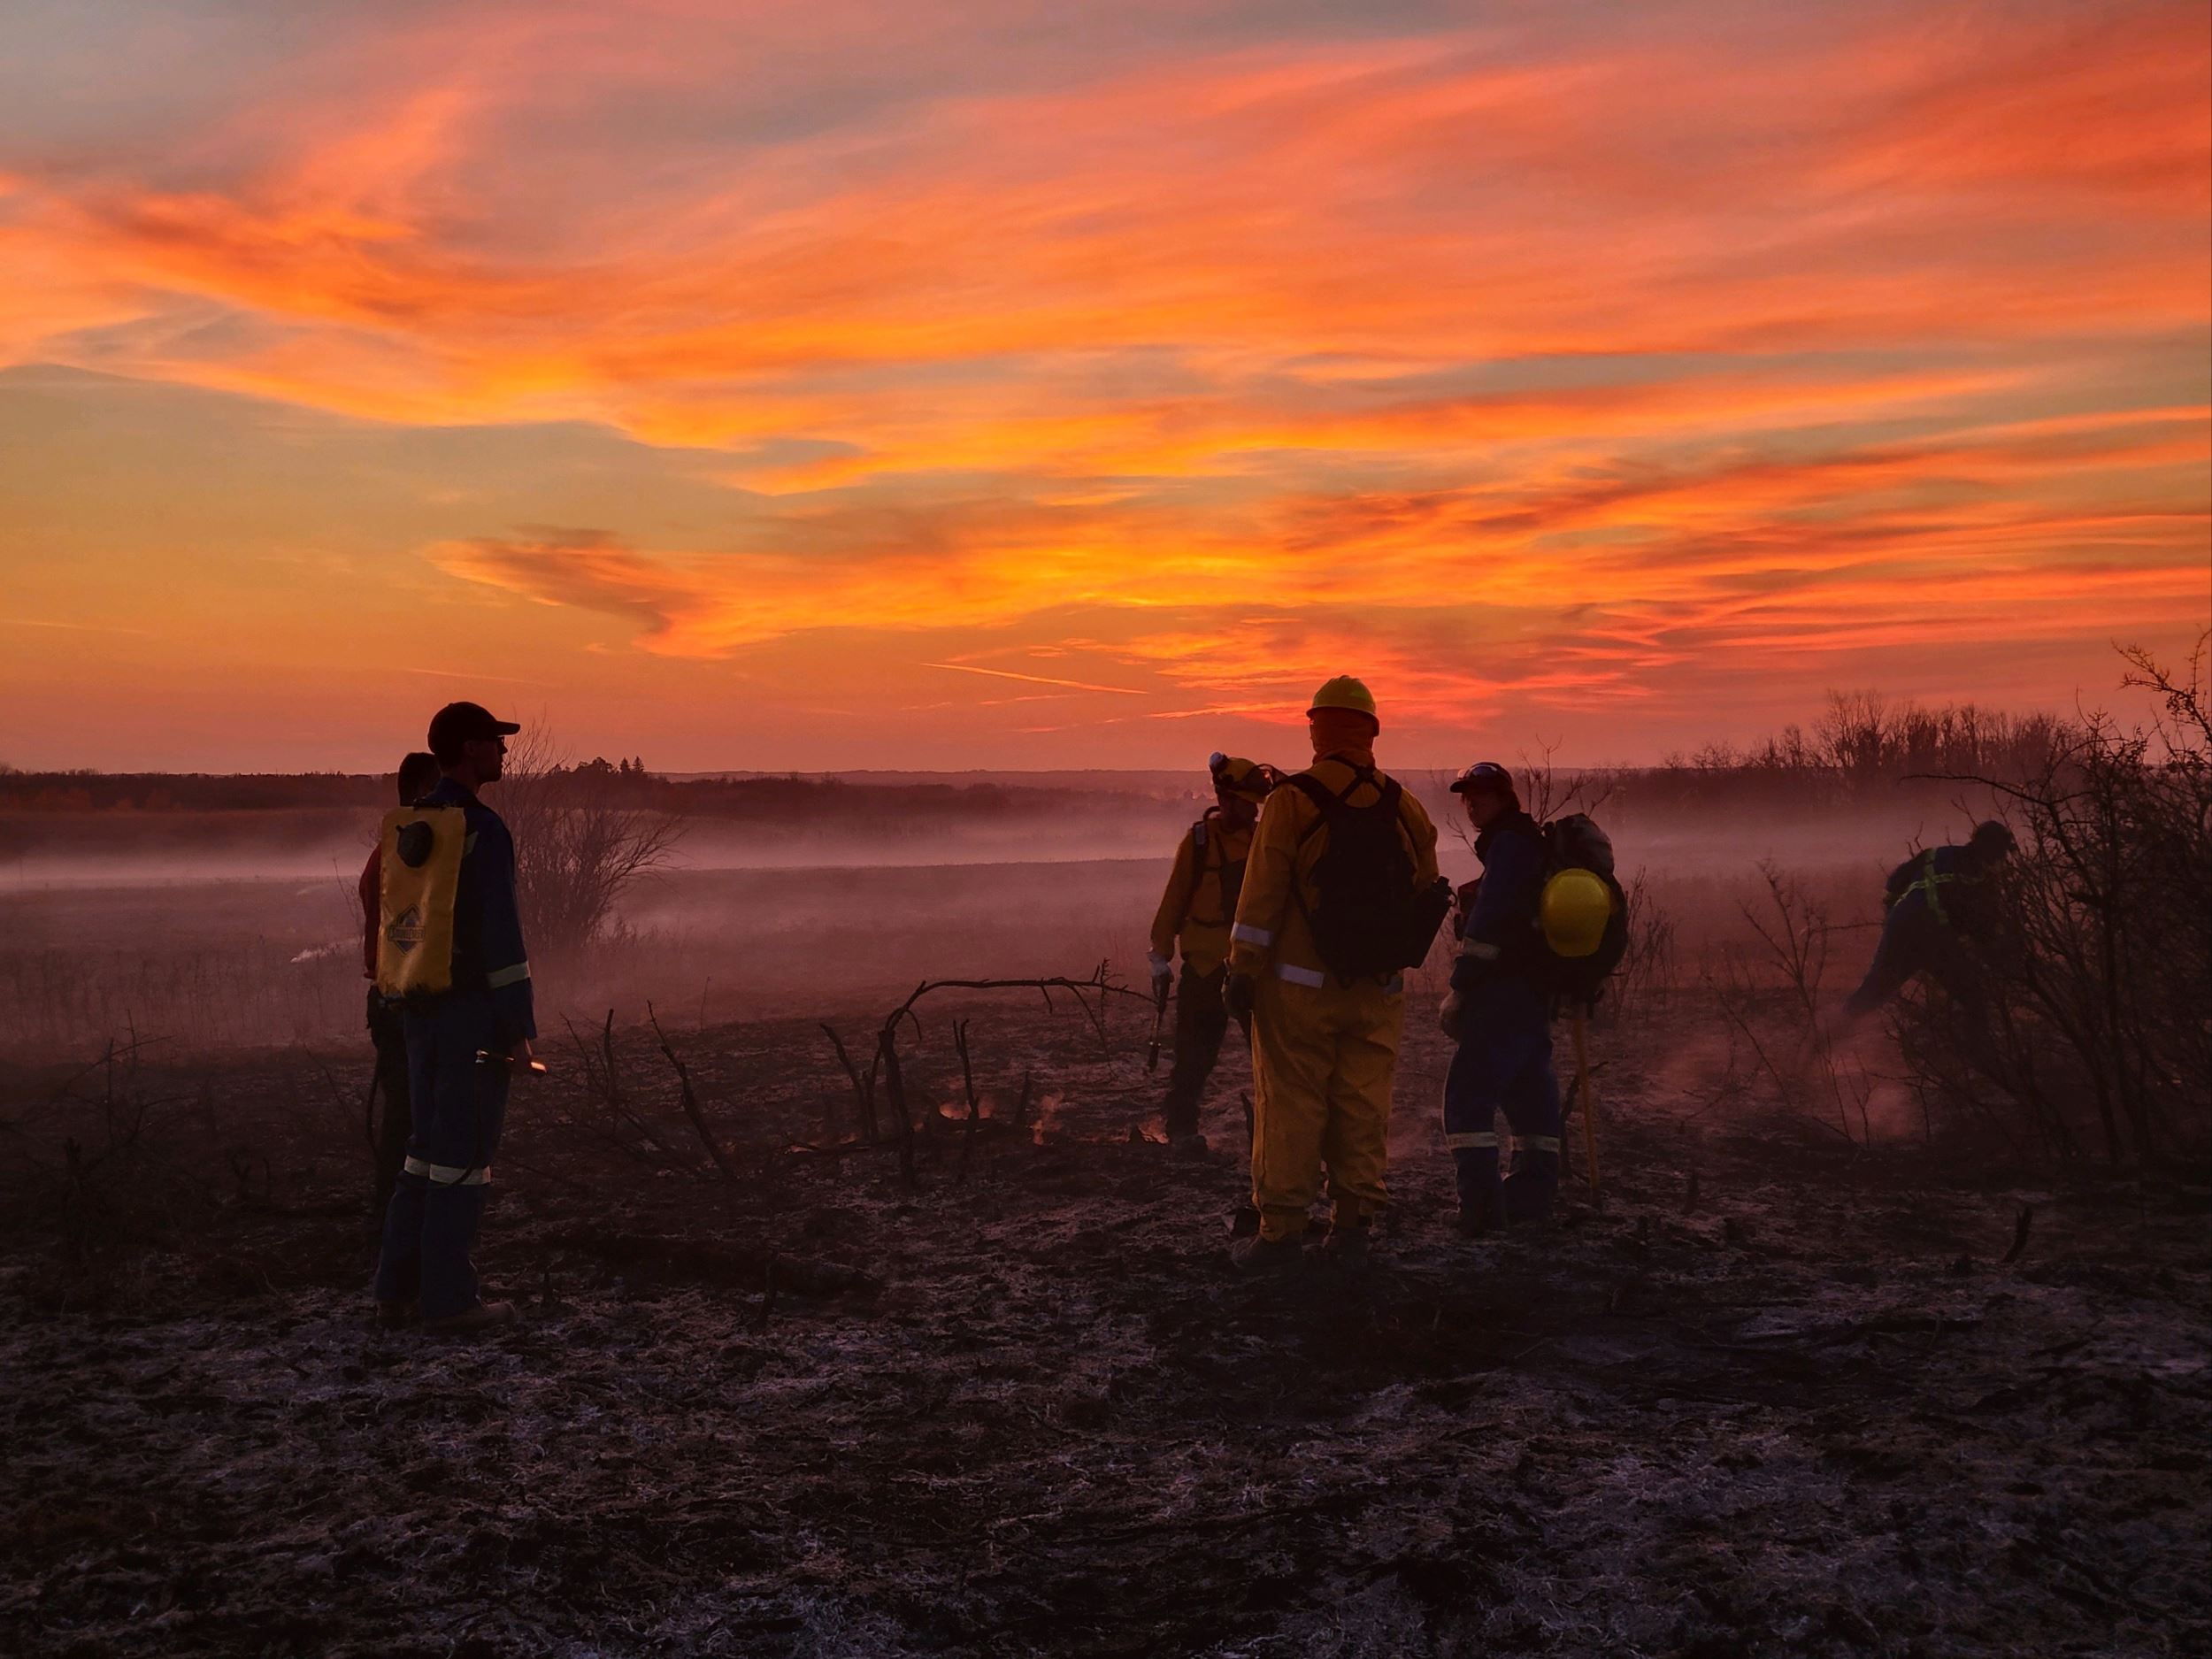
pixel 459 723
pixel 1485 775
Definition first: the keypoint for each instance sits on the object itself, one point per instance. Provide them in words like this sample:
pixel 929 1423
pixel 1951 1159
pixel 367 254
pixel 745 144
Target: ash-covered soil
pixel 1776 1395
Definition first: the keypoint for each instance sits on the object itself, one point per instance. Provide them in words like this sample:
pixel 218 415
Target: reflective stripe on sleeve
pixel 1245 933
pixel 1479 951
pixel 1487 1138
pixel 515 975
pixel 1536 1143
pixel 1308 977
pixel 448 1174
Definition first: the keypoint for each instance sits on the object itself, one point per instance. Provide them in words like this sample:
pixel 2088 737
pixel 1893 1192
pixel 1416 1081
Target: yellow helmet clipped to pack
pixel 1573 913
pixel 1344 692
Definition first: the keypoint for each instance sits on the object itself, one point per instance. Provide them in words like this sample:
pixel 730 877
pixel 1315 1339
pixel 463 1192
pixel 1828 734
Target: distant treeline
pixel 775 800
pixel 1861 747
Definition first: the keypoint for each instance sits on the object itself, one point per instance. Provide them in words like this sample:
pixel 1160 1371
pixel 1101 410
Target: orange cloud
pixel 1530 360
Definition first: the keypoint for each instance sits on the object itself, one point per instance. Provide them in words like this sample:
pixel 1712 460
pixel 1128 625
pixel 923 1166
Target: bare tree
pixel 584 835
pixel 2093 1019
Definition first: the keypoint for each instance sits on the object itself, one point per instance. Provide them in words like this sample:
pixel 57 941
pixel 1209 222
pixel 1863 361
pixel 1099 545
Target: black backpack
pixel 1576 842
pixel 1369 920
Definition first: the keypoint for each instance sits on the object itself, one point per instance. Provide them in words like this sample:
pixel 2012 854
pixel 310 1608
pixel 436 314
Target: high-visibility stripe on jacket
pixel 1271 934
pixel 1193 908
pixel 1950 885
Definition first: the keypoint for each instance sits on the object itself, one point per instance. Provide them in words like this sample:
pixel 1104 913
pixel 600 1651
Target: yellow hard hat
pixel 1344 692
pixel 1574 910
pixel 1239 776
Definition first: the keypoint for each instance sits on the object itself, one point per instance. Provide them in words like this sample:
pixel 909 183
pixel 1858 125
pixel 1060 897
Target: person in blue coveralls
pixel 463 1046
pixel 1499 1011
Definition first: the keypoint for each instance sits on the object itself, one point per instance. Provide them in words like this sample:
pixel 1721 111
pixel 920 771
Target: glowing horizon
pixel 840 385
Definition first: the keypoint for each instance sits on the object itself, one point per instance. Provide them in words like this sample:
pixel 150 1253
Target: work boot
pixel 1478 1220
pixel 1244 1222
pixel 1347 1244
pixel 485 1316
pixel 390 1316
pixel 1191 1146
pixel 1257 1256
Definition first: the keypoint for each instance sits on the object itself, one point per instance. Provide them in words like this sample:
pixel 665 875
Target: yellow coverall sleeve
pixel 1268 874
pixel 1421 830
pixel 1175 902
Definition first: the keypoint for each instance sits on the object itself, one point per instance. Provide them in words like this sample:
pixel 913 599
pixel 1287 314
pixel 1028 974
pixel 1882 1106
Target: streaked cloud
pixel 1537 363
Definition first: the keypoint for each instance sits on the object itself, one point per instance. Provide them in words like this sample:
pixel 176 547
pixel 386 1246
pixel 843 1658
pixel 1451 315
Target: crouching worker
pixel 451 950
pixel 1499 1011
pixel 1195 913
pixel 1940 902
pixel 1341 894
pixel 388 1031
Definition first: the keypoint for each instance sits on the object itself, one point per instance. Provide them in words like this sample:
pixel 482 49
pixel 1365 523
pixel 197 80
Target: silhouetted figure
pixel 1940 902
pixel 1340 896
pixel 1195 913
pixel 463 1044
pixel 1499 1014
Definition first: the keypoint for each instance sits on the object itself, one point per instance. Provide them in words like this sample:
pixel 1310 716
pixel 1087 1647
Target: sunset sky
pixel 861 383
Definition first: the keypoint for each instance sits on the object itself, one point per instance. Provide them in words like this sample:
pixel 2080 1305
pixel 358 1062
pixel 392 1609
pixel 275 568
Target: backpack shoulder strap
pixel 1327 802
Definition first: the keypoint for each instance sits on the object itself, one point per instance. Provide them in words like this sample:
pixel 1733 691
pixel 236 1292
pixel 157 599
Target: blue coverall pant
pixel 459 1107
pixel 1503 1064
pixel 1914 941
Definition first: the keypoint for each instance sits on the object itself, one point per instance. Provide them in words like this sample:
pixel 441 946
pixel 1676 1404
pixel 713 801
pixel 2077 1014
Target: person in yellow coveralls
pixel 1194 913
pixel 1342 895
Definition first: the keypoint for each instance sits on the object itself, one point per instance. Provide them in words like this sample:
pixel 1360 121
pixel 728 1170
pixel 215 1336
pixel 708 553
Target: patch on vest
pixel 405 930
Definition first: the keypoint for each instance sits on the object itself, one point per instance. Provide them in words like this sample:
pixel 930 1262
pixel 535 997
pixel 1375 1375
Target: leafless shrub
pixel 584 835
pixel 606 1114
pixel 1647 976
pixel 1771 997
pixel 2094 1025
pixel 1100 984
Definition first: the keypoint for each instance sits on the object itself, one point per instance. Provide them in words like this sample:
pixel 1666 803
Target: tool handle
pixel 485 1057
pixel 1582 1091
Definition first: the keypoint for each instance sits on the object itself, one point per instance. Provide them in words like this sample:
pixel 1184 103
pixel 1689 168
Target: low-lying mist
pixel 242 929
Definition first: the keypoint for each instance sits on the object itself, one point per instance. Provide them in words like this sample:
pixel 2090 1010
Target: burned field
pixel 1778 1394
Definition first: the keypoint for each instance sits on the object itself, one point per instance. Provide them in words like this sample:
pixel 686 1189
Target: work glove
pixel 1162 976
pixel 1239 991
pixel 1451 1017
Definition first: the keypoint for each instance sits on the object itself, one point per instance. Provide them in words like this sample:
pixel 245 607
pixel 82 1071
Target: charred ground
pixel 1780 1395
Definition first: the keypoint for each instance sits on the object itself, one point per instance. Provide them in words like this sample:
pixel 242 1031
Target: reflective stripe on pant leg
pixel 1531 1106
pixel 448 1174
pixel 1470 1108
pixel 467 1108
